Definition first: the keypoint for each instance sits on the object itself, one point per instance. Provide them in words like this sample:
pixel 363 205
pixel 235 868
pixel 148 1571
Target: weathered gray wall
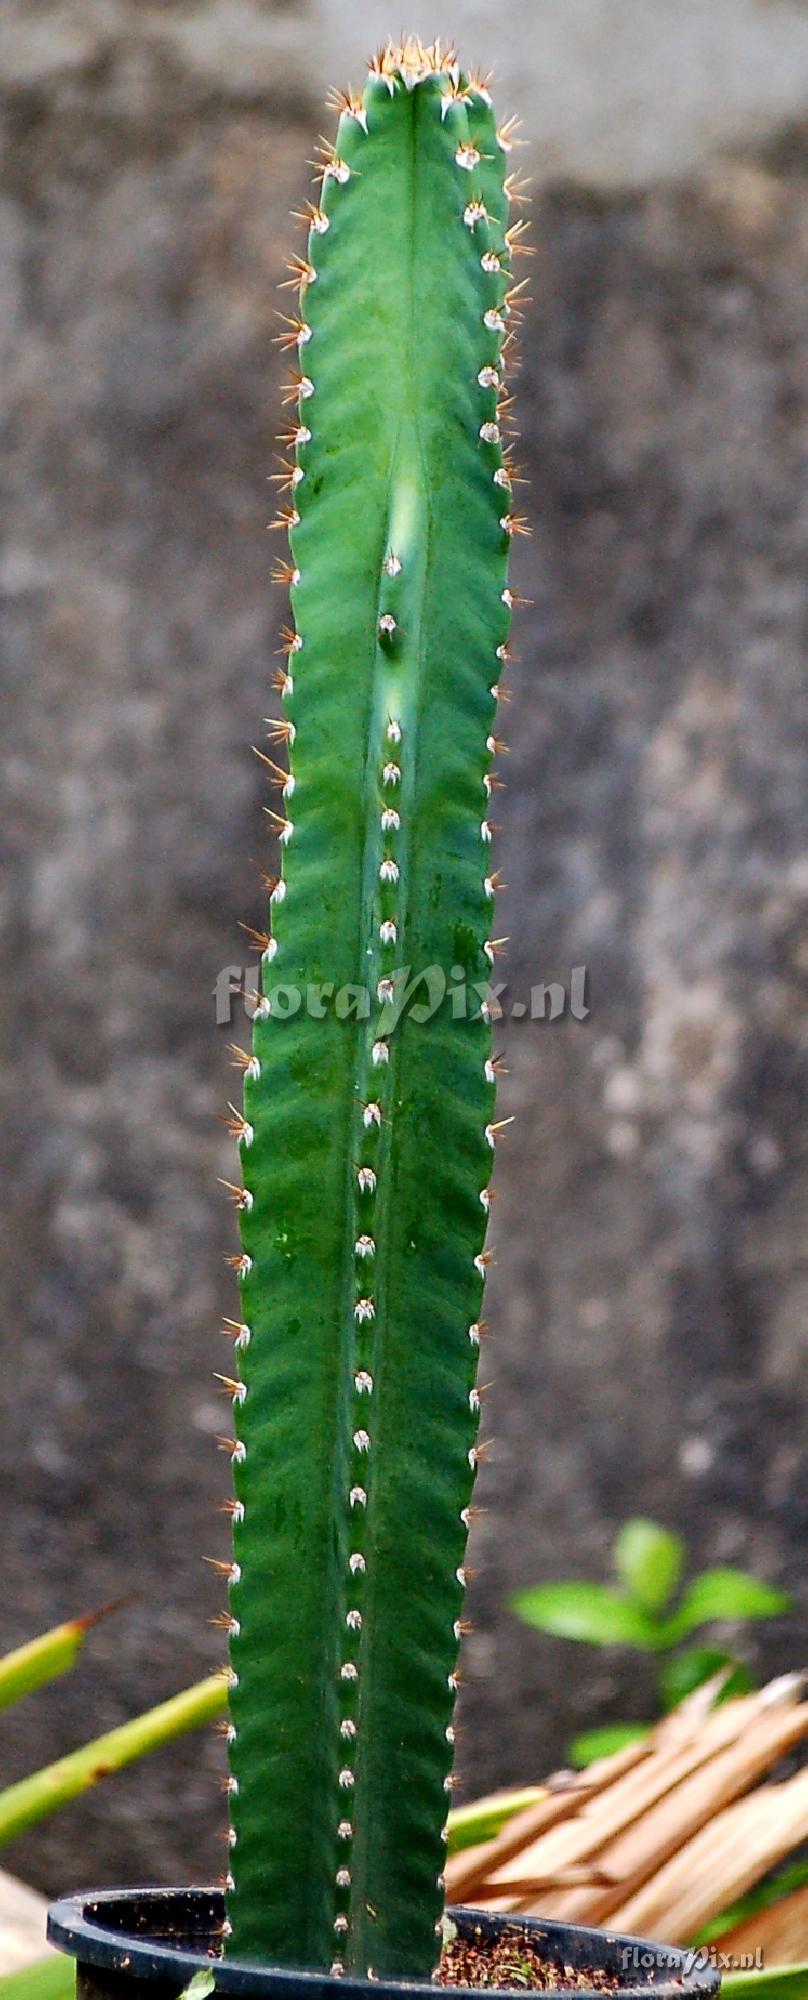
pixel 649 1348
pixel 615 96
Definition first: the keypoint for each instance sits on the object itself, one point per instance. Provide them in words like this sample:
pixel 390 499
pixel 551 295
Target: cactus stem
pixel 392 696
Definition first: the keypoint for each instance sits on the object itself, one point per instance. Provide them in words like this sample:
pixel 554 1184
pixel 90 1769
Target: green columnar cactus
pixel 366 1140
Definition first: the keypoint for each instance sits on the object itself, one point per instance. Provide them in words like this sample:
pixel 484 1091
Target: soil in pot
pixel 512 1961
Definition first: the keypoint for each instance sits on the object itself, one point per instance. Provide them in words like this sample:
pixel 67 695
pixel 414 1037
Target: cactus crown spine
pixel 366 1138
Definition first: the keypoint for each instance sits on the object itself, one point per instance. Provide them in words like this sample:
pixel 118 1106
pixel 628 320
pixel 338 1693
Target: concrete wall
pixel 649 1349
pixel 612 96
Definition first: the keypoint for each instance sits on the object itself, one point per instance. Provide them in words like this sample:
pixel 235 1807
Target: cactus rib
pixel 366 1138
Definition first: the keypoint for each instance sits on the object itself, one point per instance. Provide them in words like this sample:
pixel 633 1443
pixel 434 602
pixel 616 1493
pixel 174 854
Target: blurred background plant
pixel 695 1835
pixel 646 1611
pixel 33 1798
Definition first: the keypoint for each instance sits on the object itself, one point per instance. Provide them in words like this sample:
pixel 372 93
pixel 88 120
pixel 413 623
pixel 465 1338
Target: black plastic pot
pixel 146 1944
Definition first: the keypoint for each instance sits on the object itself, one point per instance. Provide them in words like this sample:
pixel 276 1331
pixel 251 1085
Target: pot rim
pixel 76 1925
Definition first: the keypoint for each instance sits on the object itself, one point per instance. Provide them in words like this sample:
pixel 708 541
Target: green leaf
pixel 777 1982
pixel 198 1988
pixel 53 1653
pixel 594 1743
pixel 649 1561
pixel 592 1612
pixel 34 1797
pixel 51 1978
pixel 720 1594
pixel 682 1672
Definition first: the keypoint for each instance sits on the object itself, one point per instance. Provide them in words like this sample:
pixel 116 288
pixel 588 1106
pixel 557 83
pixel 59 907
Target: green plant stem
pixel 33 1798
